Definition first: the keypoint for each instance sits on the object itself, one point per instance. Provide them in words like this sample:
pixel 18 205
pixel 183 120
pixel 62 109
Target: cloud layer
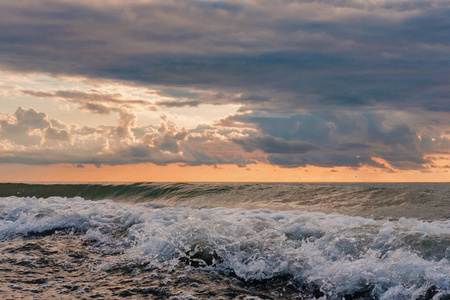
pixel 299 53
pixel 326 83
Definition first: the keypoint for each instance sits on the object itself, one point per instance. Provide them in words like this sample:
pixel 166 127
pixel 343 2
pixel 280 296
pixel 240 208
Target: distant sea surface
pixel 225 241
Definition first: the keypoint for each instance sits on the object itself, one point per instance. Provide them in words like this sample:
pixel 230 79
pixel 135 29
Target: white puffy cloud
pixel 28 136
pixel 25 128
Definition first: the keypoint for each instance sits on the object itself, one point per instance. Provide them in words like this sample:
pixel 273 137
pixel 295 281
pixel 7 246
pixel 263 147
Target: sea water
pixel 228 241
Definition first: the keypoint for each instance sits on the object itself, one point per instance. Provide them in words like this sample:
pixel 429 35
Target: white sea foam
pixel 340 254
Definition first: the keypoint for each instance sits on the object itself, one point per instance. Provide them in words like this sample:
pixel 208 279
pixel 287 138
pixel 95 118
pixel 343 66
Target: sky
pixel 249 90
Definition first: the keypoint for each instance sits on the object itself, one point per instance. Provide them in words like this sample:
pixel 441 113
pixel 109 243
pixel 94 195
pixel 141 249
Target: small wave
pixel 424 201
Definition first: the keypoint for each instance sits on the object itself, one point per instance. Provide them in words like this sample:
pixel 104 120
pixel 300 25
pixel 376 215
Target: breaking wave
pixel 333 255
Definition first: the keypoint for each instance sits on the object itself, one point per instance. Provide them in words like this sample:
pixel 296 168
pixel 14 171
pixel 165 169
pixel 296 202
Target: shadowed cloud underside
pixel 292 84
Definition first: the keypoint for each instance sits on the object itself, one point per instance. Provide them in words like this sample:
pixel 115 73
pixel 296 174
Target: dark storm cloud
pixel 96 108
pixel 317 75
pixel 83 97
pixel 320 159
pixel 270 144
pixel 95 102
pixel 341 138
pixel 177 103
pixel 390 54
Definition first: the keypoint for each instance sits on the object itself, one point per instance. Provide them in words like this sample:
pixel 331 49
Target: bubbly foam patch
pixel 340 255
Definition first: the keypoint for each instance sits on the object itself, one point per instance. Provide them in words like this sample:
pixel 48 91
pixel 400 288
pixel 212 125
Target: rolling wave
pixel 429 201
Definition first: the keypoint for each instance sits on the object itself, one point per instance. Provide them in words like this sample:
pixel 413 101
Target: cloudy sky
pixel 249 90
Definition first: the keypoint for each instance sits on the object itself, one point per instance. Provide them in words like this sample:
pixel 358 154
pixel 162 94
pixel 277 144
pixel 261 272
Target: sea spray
pixel 332 255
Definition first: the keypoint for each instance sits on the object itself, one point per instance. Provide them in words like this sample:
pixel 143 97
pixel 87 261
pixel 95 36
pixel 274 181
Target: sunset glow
pixel 241 91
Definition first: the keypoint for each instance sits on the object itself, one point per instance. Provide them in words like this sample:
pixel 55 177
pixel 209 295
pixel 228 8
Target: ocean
pixel 225 241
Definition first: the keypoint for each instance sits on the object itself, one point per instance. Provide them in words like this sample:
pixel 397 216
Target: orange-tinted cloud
pixel 329 84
